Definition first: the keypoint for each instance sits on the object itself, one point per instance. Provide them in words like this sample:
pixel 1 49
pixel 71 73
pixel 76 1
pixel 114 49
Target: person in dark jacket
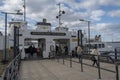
pixel 31 50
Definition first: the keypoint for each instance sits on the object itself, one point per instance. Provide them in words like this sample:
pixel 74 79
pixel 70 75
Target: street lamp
pixel 5 50
pixel 88 33
pixel 60 14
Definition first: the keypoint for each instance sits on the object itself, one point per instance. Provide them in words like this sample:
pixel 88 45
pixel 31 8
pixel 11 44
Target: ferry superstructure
pixel 43 36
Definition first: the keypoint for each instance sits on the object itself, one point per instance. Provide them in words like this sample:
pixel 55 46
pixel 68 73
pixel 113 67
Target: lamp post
pixel 24 6
pixel 5 48
pixel 16 38
pixel 60 14
pixel 88 33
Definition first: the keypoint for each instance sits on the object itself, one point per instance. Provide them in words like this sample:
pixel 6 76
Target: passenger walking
pixel 37 51
pixel 79 53
pixel 30 50
pixel 94 57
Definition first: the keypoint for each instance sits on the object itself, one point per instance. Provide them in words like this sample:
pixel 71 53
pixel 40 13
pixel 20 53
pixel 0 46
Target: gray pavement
pixel 52 70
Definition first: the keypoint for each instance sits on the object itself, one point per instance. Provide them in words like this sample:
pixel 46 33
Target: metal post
pixel 63 59
pixel 59 15
pixel 89 36
pixel 57 57
pixel 116 66
pixel 78 37
pixel 81 35
pixel 15 51
pixel 5 40
pixel 24 10
pixel 16 40
pixel 70 60
pixel 88 33
pixel 98 65
pixel 5 54
pixel 81 64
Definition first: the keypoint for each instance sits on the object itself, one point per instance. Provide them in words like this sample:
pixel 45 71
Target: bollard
pixel 81 64
pixel 57 57
pixel 70 60
pixel 116 66
pixel 117 71
pixel 63 59
pixel 99 72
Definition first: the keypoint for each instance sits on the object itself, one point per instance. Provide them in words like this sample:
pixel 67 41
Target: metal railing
pixel 12 70
pixel 115 61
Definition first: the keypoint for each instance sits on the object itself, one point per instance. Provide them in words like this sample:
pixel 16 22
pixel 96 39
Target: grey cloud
pixel 38 9
pixel 108 29
pixel 109 2
pixel 114 13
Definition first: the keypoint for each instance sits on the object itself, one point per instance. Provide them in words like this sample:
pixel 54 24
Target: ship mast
pixel 24 6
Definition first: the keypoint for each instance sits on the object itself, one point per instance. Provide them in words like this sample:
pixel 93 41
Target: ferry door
pixel 62 44
pixel 41 47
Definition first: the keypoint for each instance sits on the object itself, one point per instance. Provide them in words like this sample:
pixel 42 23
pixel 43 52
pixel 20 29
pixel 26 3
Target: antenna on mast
pixel 24 6
pixel 60 14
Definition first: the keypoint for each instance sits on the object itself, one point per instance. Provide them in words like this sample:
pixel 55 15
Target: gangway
pixel 54 69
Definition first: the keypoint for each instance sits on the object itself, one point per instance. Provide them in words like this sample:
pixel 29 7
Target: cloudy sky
pixel 103 14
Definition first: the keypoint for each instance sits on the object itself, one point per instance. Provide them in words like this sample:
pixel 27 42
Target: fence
pixel 11 71
pixel 114 61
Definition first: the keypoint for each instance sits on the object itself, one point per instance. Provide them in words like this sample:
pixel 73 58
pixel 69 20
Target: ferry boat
pixel 41 37
pixel 44 37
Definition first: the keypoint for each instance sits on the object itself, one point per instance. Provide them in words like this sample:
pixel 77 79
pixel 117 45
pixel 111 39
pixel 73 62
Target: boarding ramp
pixel 62 67
pixel 66 67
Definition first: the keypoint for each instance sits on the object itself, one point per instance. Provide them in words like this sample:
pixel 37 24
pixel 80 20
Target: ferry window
pixel 86 45
pixel 92 46
pixel 89 46
pixel 96 45
pixel 103 45
pixel 99 45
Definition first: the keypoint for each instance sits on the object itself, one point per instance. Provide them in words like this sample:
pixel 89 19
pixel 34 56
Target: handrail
pixel 115 62
pixel 11 71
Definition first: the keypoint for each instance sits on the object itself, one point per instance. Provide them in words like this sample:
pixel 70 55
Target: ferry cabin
pixel 42 37
pixel 104 46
